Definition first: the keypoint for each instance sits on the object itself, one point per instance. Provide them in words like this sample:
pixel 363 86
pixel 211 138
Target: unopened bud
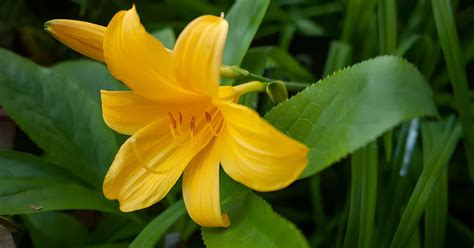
pixel 83 37
pixel 277 91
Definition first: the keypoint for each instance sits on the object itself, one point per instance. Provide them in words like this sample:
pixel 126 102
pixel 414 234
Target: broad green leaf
pixel 449 40
pixel 113 228
pixel 91 75
pixel 29 185
pixel 155 230
pixel 439 141
pixel 244 18
pixel 360 224
pixel 352 107
pixel 55 229
pixel 59 115
pixel 253 222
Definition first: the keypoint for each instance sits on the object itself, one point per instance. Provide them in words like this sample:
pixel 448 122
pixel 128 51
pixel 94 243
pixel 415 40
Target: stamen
pixel 192 128
pixel 139 157
pixel 209 123
pixel 208 117
pixel 180 118
pixel 172 125
pixel 172 120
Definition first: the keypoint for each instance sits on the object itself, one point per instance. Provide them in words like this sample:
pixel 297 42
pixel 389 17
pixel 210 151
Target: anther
pixel 180 118
pixel 208 117
pixel 172 125
pixel 192 127
pixel 172 120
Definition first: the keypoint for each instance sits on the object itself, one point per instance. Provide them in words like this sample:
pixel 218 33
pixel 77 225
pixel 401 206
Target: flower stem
pixel 237 72
pixel 252 86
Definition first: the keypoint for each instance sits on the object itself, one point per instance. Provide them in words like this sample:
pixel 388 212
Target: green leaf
pixel 92 76
pixel 113 228
pixel 352 107
pixel 59 115
pixel 55 229
pixel 253 222
pixel 29 185
pixel 449 41
pixel 340 55
pixel 360 224
pixel 436 213
pixel 244 18
pixel 155 230
pixel 286 63
pixel 439 141
pixel 387 24
pixel 166 36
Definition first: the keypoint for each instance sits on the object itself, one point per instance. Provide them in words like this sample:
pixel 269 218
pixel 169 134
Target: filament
pixel 209 123
pixel 139 157
pixel 172 125
pixel 192 128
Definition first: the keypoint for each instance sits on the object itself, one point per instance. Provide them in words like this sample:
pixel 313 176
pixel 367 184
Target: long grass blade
pixel 436 212
pixel 447 33
pixel 439 141
pixel 360 224
pixel 387 20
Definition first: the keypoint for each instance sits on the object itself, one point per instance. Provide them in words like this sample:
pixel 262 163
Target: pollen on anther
pixel 208 117
pixel 180 118
pixel 172 120
pixel 192 124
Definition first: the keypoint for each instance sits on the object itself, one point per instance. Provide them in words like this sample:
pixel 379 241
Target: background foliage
pixel 391 137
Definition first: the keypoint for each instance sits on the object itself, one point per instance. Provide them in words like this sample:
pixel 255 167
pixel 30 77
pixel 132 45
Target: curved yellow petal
pixel 127 112
pixel 149 163
pixel 140 61
pixel 83 37
pixel 198 54
pixel 201 188
pixel 255 153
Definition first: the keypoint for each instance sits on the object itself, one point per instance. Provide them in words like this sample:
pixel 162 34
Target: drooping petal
pixel 127 112
pixel 198 54
pixel 140 61
pixel 83 37
pixel 201 188
pixel 255 153
pixel 150 162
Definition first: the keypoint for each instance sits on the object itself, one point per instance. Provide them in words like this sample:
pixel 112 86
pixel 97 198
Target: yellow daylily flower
pixel 180 120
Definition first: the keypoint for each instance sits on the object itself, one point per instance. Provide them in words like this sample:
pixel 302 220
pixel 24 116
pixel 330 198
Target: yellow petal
pixel 149 163
pixel 255 153
pixel 201 188
pixel 198 54
pixel 127 112
pixel 83 37
pixel 140 61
